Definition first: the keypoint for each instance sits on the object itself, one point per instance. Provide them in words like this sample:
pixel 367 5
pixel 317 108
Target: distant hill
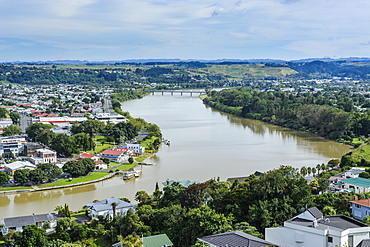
pixel 164 60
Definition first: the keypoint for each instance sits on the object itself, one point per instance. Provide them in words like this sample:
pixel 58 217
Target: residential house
pixel 12 144
pixel 235 238
pixel 10 168
pixel 19 223
pixel 160 240
pixel 360 208
pixel 116 154
pixel 89 156
pixel 352 173
pixel 44 155
pixel 358 185
pixel 311 228
pixel 105 207
pixel 137 149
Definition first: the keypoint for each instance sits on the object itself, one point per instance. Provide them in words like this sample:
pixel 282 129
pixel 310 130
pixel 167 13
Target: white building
pixel 105 207
pixel 12 144
pixel 136 148
pixel 44 155
pixel 10 168
pixel 110 117
pixel 311 228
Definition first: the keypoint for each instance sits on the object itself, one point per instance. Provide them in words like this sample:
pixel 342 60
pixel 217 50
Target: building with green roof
pixel 160 240
pixel 358 185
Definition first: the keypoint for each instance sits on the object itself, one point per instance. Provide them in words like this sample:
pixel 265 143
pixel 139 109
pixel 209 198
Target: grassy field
pixel 362 152
pixel 242 70
pixel 89 177
pixel 14 188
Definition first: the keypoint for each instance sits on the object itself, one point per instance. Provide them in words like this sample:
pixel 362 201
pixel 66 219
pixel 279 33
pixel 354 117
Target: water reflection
pixel 36 196
pixel 79 189
pixel 4 200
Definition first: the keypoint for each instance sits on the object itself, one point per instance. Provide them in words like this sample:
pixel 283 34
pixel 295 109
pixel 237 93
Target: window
pixel 330 239
pixel 357 205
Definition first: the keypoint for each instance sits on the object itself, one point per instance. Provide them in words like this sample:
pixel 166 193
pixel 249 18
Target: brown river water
pixel 204 144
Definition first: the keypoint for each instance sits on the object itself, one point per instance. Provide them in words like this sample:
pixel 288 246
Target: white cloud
pixel 161 28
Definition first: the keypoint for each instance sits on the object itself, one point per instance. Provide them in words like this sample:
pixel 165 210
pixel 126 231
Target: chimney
pixel 356 198
pixel 314 223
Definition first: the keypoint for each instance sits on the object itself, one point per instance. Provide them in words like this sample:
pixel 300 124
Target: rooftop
pixel 235 238
pixel 340 222
pixel 361 182
pixel 364 202
pixel 157 240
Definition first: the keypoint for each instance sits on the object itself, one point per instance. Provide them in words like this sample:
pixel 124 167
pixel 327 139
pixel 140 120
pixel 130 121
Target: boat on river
pixel 131 174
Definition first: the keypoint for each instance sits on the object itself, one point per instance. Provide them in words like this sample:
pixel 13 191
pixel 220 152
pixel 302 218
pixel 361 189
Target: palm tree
pixel 114 205
pixel 318 167
pixel 309 170
pixel 324 167
pixel 304 171
pixel 313 170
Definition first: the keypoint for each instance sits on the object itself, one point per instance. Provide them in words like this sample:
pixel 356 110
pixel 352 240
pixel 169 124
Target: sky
pixel 114 30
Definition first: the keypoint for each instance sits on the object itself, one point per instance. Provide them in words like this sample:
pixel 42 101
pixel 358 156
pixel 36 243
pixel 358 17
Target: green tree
pixel 303 171
pixel 202 221
pixel 247 228
pixel 34 130
pixel 51 170
pixel 67 211
pixel 171 195
pixel 32 236
pixel 65 145
pixel 130 160
pixel 3 177
pixel 12 130
pixel 132 241
pixel 59 209
pixel 83 141
pixel 37 176
pixel 328 211
pixel 142 197
pixel 15 117
pixel 21 176
pixel 47 137
pixel 195 195
pixel 4 113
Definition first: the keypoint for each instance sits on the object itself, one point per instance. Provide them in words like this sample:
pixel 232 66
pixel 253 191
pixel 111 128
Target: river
pixel 204 144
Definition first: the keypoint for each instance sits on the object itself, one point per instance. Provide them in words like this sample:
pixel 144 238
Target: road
pixel 24 121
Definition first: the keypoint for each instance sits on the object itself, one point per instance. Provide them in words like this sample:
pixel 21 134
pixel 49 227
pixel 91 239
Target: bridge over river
pixel 191 92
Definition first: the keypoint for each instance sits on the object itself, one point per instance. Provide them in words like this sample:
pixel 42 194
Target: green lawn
pixel 14 188
pixel 89 177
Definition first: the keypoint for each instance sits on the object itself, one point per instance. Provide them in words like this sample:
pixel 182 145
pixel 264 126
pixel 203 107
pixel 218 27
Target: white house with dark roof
pixel 105 207
pixel 235 238
pixel 311 228
pixel 19 223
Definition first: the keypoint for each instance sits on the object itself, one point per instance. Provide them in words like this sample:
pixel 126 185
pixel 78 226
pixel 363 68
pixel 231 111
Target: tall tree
pixel 3 177
pixel 12 130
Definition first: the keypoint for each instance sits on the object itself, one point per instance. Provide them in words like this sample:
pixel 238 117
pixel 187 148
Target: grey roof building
pixel 18 223
pixel 105 207
pixel 235 239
